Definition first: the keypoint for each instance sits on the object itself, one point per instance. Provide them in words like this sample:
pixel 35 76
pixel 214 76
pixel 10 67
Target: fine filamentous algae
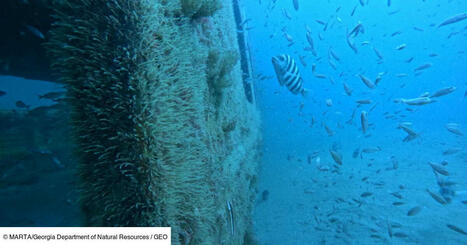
pixel 237 122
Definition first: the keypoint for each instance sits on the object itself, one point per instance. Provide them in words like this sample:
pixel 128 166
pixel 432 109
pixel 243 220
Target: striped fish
pixel 287 73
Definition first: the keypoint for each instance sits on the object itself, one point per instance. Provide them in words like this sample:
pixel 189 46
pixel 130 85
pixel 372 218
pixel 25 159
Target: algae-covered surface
pixel 164 122
pixel 154 128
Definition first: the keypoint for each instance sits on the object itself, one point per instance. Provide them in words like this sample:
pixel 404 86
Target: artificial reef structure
pixel 165 133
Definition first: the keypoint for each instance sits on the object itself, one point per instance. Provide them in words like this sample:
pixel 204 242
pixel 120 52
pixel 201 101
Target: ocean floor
pixel 308 204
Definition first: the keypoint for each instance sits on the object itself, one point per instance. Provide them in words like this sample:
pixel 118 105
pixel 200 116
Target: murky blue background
pixel 302 198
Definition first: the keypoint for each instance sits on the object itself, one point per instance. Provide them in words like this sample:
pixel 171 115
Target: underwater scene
pixel 237 121
pixel 364 136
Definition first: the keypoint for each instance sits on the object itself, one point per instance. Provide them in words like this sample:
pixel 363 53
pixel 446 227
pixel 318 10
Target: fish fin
pixel 305 92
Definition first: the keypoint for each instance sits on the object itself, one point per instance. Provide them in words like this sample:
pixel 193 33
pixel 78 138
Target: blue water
pixel 25 90
pixel 37 170
pixel 302 198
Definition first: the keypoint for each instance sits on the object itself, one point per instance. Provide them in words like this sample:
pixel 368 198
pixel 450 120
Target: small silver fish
pixel 320 76
pixel 396 194
pixel 401 47
pixel 436 197
pixel 52 95
pixel 363 102
pixel 332 65
pixel 302 60
pixel 347 89
pixel 357 29
pixel 286 14
pixel 310 41
pixel 295 4
pixel 452 151
pixel 57 162
pixel 394 12
pixel 453 19
pixel 35 31
pixel 438 168
pixel 379 77
pixel 336 157
pixel 366 194
pixel 371 150
pixel 454 128
pixel 417 28
pixel 407 129
pixel 328 130
pixel 456 229
pixel 364 121
pixel 367 81
pixel 321 22
pixel 417 101
pixel 380 56
pixel 353 10
pixel 245 22
pixel 403 75
pixel 423 67
pixel 232 222
pixel 414 211
pixel 443 91
pixel 389 228
pixel 288 37
pixel 333 54
pixel 351 44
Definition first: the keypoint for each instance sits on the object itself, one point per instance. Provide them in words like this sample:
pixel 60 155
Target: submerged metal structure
pixel 165 125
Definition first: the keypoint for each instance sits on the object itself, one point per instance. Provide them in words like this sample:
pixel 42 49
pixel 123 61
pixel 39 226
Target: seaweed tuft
pixel 219 65
pixel 195 9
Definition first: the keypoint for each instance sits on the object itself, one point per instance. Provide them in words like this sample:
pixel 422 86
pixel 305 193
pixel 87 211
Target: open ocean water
pixel 380 196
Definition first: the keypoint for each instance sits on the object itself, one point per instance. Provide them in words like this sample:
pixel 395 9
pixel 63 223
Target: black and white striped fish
pixel 287 73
